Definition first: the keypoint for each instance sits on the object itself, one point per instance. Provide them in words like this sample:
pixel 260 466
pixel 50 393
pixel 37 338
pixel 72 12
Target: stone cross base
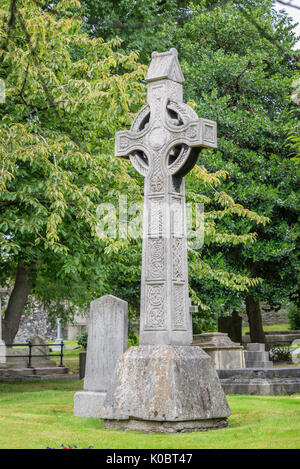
pixel 165 427
pixel 88 403
pixel 165 388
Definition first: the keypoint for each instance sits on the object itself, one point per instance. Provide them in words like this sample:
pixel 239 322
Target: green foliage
pixel 279 354
pixel 66 96
pixel 239 78
pixel 82 339
pixel 239 64
pixel 294 316
pixel 69 92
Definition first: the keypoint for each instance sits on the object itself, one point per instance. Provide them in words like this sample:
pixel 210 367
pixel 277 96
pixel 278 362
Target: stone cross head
pixel 166 134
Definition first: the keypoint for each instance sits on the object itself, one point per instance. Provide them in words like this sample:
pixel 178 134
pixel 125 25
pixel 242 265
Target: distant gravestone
pixel 295 354
pixel 3 291
pixel 59 339
pixel 257 357
pixel 107 341
pixel 224 353
pixel 231 325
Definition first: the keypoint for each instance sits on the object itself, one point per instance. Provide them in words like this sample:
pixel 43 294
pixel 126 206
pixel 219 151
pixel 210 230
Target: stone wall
pixel 270 317
pixel 36 323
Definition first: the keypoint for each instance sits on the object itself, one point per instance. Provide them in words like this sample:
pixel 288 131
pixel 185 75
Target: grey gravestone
pixel 56 347
pixel 295 353
pixel 107 340
pixel 224 353
pixel 165 384
pixel 231 325
pixel 257 357
pixel 3 291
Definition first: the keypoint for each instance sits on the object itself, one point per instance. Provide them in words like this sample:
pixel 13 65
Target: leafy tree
pixel 66 95
pixel 238 61
pixel 242 80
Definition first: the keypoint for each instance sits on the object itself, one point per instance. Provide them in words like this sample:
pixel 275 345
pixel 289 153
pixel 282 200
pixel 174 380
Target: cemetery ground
pixel 39 414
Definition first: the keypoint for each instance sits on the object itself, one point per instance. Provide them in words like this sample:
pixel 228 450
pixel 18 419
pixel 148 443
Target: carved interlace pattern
pixel 138 165
pixel 177 216
pixel 156 217
pixel 156 259
pixel 178 307
pixel 157 178
pixel 180 160
pixel 178 264
pixel 156 313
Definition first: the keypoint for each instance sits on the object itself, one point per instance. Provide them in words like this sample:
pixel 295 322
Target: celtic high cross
pixel 163 146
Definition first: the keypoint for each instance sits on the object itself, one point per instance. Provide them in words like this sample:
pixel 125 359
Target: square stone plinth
pixel 88 404
pixel 165 388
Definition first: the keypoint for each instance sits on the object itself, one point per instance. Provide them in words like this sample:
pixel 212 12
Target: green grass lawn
pixel 273 327
pixel 40 414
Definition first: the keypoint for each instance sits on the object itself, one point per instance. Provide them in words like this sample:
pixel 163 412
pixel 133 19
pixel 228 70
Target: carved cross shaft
pixel 163 145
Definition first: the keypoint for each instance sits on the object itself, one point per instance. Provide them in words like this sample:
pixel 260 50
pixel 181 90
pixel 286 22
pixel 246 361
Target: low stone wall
pixel 276 338
pixel 269 317
pixel 37 323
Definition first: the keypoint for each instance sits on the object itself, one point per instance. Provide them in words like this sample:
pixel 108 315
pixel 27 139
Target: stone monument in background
pixel 56 347
pixel 256 356
pixel 107 340
pixel 231 325
pixel 3 292
pixel 165 384
pixel 224 353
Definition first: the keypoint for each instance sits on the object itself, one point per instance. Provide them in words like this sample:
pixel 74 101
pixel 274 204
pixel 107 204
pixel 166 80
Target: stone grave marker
pixel 231 325
pixel 107 341
pixel 165 384
pixel 224 353
pixel 3 291
pixel 257 357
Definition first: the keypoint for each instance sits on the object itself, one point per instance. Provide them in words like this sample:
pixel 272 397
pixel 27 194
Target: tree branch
pixel 11 22
pixel 288 4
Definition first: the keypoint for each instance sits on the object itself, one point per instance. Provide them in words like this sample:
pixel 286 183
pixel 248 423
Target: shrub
pixel 82 339
pixel 294 317
pixel 278 354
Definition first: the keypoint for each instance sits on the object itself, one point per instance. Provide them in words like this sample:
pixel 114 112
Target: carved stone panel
pixel 156 259
pixel 177 221
pixel 156 316
pixel 156 216
pixel 157 180
pixel 178 253
pixel 178 316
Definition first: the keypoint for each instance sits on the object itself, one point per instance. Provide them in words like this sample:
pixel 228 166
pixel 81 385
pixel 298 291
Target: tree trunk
pixel 16 303
pixel 257 334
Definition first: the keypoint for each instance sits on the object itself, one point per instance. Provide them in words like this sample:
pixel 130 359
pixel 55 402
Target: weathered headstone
pixel 56 347
pixel 224 353
pixel 3 291
pixel 165 384
pixel 107 341
pixel 231 325
pixel 295 353
pixel 257 357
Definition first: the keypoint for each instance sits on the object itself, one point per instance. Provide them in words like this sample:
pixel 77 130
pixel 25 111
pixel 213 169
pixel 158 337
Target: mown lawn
pixel 40 414
pixel 273 327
